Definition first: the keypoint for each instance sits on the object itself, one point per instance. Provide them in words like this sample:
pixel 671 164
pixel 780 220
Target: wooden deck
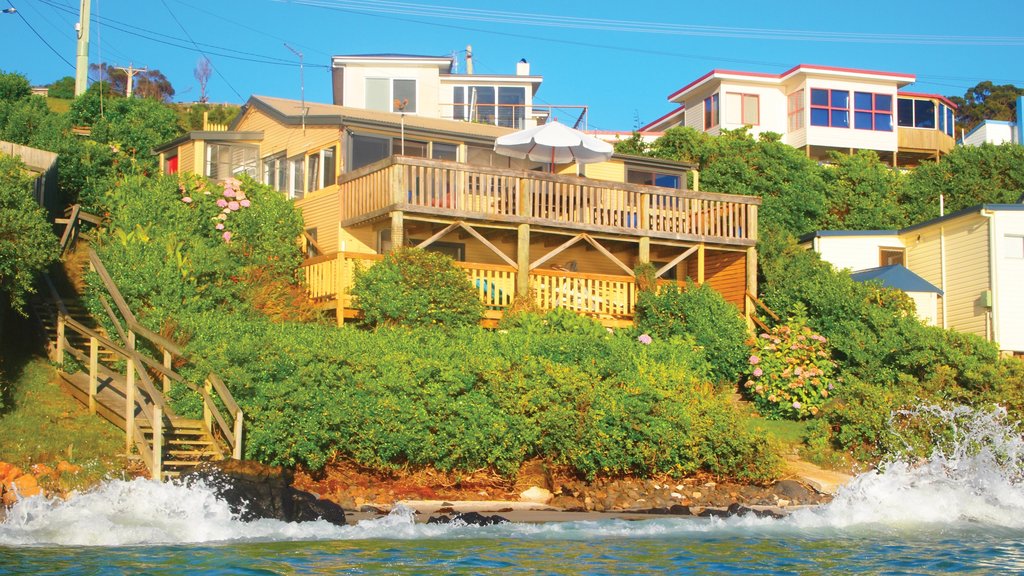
pixel 512 197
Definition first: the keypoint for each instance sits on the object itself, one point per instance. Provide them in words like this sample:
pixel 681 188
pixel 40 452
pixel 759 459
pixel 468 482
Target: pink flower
pixel 758 372
pixel 245 203
pixel 798 371
pixel 645 339
pixel 227 235
pixel 233 205
pixel 187 199
pixel 219 226
pixel 797 405
pixel 755 360
pixel 229 193
pixel 222 202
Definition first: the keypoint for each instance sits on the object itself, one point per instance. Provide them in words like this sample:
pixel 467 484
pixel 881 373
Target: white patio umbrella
pixel 555 143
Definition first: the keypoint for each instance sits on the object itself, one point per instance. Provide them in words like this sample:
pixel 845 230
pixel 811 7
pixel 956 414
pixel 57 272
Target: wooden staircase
pixel 117 378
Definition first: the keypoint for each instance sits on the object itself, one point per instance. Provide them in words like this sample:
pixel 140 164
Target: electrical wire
pixel 38 35
pixel 189 36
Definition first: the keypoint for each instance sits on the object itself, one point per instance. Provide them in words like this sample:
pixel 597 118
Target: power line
pixel 189 36
pixel 38 35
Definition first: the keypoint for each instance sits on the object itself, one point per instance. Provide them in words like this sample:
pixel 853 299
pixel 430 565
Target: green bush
pixel 600 404
pixel 413 287
pixel 790 371
pixel 703 314
pixel 27 244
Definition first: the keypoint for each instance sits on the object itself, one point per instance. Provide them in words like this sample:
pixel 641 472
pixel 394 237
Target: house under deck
pixel 563 240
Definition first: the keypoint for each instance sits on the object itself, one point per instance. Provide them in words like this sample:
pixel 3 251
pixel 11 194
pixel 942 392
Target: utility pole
pixel 82 52
pixel 130 71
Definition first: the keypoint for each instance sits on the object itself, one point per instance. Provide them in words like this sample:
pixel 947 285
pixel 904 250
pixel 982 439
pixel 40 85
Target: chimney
pixel 469 59
pixel 522 68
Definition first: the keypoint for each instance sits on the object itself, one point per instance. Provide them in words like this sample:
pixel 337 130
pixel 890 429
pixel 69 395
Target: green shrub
pixel 790 371
pixel 27 246
pixel 413 287
pixel 702 314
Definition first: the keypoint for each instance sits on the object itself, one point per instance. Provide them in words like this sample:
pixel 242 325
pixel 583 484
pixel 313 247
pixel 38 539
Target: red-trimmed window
pixel 830 108
pixel 872 111
pixel 795 108
pixel 711 111
pixel 742 109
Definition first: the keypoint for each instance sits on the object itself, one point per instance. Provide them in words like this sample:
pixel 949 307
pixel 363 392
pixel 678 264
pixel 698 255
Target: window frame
pixel 892 251
pixel 250 168
pixel 712 112
pixel 297 173
pixel 795 112
pixel 829 107
pixel 390 107
pixel 743 98
pixel 320 179
pixel 654 175
pixel 874 111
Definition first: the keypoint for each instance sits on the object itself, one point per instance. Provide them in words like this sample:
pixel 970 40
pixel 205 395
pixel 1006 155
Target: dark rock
pixel 371 509
pixel 714 513
pixel 791 489
pixel 470 518
pixel 253 491
pixel 446 510
pixel 679 510
pixel 567 503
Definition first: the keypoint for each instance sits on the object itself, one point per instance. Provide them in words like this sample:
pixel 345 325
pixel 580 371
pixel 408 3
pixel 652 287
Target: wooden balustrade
pixel 480 192
pixel 600 295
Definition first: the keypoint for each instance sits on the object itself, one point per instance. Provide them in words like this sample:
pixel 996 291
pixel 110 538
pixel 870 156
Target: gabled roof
pixel 665 122
pixel 896 276
pixel 898 78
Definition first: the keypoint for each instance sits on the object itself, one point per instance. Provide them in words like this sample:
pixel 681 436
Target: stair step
pixel 189 442
pixel 190 463
pixel 191 452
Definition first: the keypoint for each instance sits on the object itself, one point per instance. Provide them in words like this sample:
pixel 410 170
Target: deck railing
pixel 330 278
pixel 479 192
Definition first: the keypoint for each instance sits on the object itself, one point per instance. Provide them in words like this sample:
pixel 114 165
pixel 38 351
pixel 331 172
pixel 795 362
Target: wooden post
pixel 207 412
pixel 696 180
pixel 94 369
pixel 399 194
pixel 751 283
pixel 523 261
pixel 397 233
pixel 129 405
pixel 643 210
pixel 158 442
pixel 340 286
pixel 58 356
pixel 236 452
pixel 167 364
pixel 525 198
pixel 645 250
pixel 700 263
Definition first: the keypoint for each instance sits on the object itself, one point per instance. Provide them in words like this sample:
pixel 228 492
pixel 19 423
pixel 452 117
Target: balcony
pixel 927 140
pixel 433 188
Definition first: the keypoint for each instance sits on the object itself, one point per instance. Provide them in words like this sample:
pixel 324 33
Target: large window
pixel 503 106
pixel 830 108
pixel 230 160
pixel 444 151
pixel 795 108
pixel 913 113
pixel 711 111
pixel 872 111
pixel 391 95
pixel 892 256
pixel 322 168
pixel 946 119
pixel 409 148
pixel 275 172
pixel 654 179
pixel 742 109
pixel 365 149
pixel 296 167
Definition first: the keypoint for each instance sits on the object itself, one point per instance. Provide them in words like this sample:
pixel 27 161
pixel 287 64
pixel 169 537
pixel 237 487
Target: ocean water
pixel 961 511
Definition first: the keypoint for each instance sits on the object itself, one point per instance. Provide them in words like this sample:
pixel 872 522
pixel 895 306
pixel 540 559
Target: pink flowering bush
pixel 790 372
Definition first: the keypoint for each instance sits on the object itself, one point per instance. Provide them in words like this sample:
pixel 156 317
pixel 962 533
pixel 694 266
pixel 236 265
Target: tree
pixel 202 74
pixel 27 245
pixel 14 86
pixel 967 176
pixel 863 193
pixel 987 101
pixel 63 88
pixel 147 84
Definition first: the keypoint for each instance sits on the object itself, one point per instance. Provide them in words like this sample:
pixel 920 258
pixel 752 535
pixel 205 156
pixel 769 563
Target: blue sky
pixel 621 59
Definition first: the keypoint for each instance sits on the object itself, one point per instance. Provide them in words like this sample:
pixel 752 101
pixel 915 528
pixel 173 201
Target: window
pixel 453 250
pixel 443 151
pixel 891 256
pixel 912 113
pixel 711 111
pixel 229 160
pixel 742 109
pixel 296 166
pixel 654 179
pixel 1014 246
pixel 409 148
pixel 366 149
pixel 511 106
pixel 322 172
pixel 391 95
pixel 670 274
pixel 872 111
pixel 830 108
pixel 481 104
pixel 795 108
pixel 949 122
pixel 275 172
pixel 945 119
pixel 311 251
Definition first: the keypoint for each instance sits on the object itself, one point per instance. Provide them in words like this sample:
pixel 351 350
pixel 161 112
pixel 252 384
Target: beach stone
pixel 536 494
pixel 679 510
pixel 568 503
pixel 791 489
pixel 253 491
pixel 469 518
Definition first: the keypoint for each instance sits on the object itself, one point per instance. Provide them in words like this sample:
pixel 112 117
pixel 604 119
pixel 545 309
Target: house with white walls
pixel 820 109
pixel 998 131
pixel 974 258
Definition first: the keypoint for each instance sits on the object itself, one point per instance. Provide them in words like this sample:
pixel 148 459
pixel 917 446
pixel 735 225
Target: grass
pixel 58 105
pixel 40 424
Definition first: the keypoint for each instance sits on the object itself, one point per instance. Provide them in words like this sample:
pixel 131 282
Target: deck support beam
pixel 523 260
pixel 700 263
pixel 397 231
pixel 645 250
pixel 751 262
pixel 94 372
